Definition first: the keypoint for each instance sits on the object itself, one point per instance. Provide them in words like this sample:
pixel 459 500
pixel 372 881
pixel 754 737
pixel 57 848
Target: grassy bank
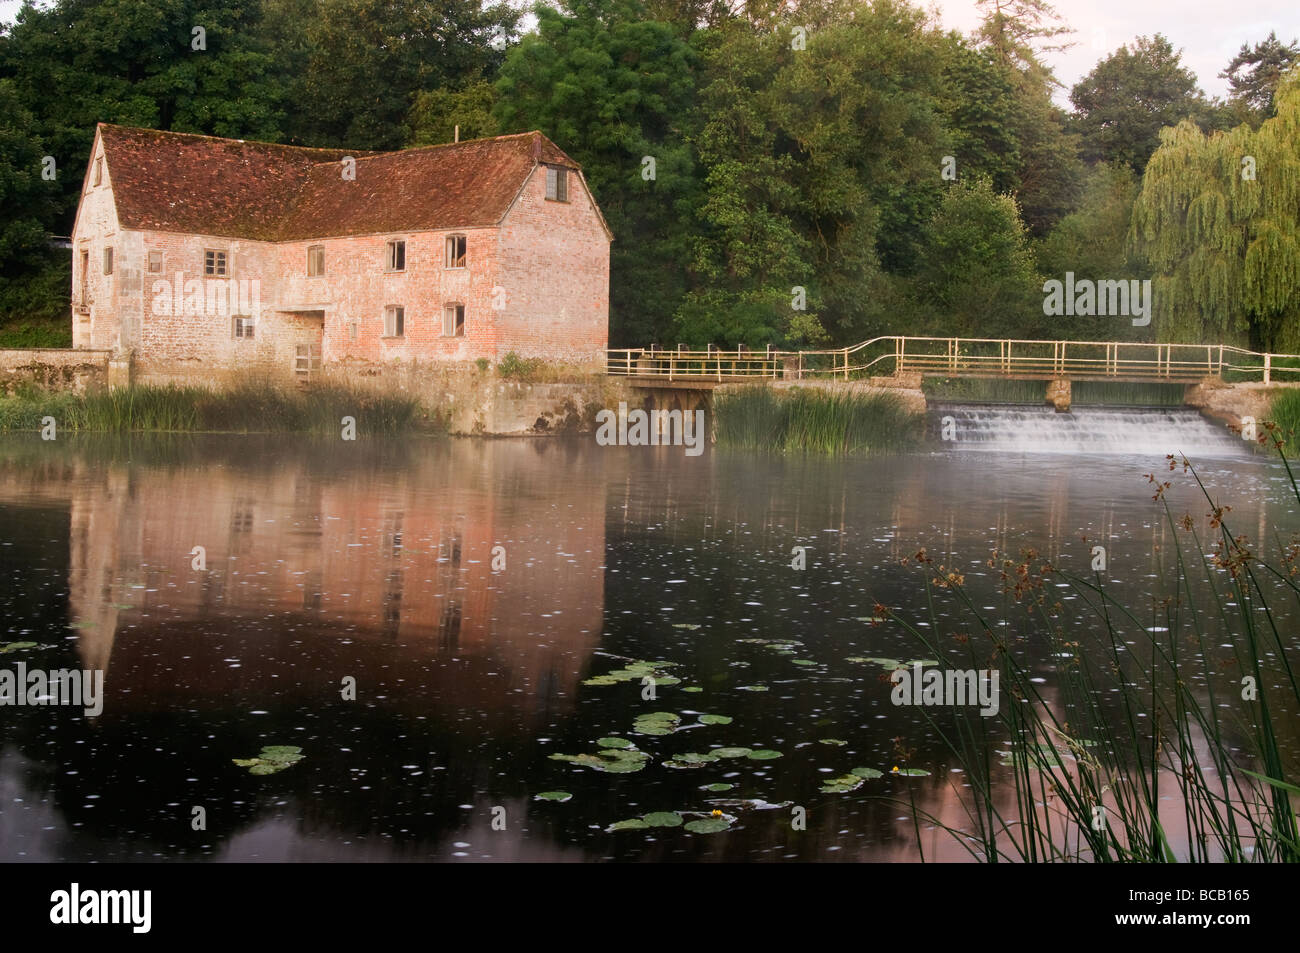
pixel 248 407
pixel 36 332
pixel 809 420
pixel 1285 412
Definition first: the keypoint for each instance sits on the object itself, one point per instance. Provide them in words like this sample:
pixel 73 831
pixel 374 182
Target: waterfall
pixel 1086 430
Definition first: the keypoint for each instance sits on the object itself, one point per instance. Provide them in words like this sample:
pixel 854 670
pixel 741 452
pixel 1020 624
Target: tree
pixel 616 92
pixel 978 273
pixel 1121 106
pixel 1091 242
pixel 1268 62
pixel 1014 33
pixel 353 69
pixel 1218 217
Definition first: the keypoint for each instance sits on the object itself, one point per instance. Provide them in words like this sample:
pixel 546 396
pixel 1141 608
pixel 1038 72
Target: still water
pixel 469 588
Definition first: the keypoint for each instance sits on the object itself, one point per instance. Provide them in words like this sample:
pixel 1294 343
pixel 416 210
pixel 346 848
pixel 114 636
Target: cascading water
pixel 1086 430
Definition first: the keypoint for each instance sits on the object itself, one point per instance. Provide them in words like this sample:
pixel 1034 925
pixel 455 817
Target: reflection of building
pixel 317 570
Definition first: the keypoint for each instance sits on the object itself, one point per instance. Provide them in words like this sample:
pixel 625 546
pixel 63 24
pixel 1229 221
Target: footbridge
pixel 897 356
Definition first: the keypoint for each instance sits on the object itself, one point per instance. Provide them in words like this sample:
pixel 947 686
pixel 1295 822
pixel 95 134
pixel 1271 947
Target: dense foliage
pixel 803 176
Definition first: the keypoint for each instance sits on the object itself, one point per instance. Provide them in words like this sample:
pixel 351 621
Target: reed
pixel 1285 413
pixel 813 420
pixel 248 406
pixel 1124 761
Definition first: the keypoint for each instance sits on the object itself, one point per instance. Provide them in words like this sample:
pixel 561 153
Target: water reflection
pixel 375 562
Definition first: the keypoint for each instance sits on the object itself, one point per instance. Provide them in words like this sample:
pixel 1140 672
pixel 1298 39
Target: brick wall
pixel 555 272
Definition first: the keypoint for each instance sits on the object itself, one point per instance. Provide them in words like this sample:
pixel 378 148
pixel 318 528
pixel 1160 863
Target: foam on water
pixel 1086 430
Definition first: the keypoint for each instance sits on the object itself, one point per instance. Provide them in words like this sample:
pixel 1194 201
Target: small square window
pixel 243 326
pixel 214 264
pixel 453 321
pixel 396 256
pixel 155 263
pixel 455 251
pixel 99 170
pixel 557 184
pixel 394 321
pixel 108 261
pixel 315 261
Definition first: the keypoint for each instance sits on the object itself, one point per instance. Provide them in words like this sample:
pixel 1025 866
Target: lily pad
pixel 802 661
pixel 685 625
pixel 867 773
pixel 272 758
pixel 635 671
pixel 842 785
pixel 662 819
pixel 693 757
pixel 831 741
pixel 911 772
pixel 560 796
pixel 763 754
pixel 693 688
pixel 712 825
pixel 717 786
pixel 684 765
pixel 613 742
pixel 635 824
pixel 753 688
pixel 16 647
pixel 715 719
pixel 731 752
pixel 923 662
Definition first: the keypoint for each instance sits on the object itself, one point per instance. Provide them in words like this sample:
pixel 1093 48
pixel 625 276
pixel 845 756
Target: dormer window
pixel 557 184
pixel 396 256
pixel 455 251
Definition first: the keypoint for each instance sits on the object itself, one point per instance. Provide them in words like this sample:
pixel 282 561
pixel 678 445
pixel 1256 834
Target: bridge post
pixel 1268 368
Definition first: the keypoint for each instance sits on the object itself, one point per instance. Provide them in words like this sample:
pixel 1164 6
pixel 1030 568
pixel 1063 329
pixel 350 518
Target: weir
pixel 1092 430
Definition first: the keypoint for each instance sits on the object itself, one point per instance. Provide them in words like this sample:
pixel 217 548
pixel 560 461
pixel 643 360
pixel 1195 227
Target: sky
pixel 1209 32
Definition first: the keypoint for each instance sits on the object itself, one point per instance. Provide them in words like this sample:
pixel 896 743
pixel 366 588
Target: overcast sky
pixel 1208 32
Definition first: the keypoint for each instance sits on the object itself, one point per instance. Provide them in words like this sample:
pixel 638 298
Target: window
pixel 85 278
pixel 108 261
pixel 214 263
pixel 455 251
pixel 99 170
pixel 396 256
pixel 352 331
pixel 243 326
pixel 306 358
pixel 155 263
pixel 453 321
pixel 315 261
pixel 557 184
pixel 394 321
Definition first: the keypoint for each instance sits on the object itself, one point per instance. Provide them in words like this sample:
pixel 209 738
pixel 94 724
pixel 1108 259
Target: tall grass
pixel 251 406
pixel 1123 762
pixel 813 420
pixel 1285 413
pixel 1083 393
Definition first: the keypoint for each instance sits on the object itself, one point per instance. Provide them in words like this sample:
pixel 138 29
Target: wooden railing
pixel 963 357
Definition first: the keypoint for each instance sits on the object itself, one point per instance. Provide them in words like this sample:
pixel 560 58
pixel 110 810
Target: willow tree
pixel 1218 218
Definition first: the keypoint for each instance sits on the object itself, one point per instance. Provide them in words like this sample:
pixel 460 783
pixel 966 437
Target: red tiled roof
pixel 230 187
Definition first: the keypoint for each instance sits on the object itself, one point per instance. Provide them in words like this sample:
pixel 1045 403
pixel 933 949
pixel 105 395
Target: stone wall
pixel 1231 402
pixel 55 368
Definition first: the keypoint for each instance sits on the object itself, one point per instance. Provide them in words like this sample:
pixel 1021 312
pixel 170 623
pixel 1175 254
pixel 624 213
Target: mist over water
pixel 375 560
